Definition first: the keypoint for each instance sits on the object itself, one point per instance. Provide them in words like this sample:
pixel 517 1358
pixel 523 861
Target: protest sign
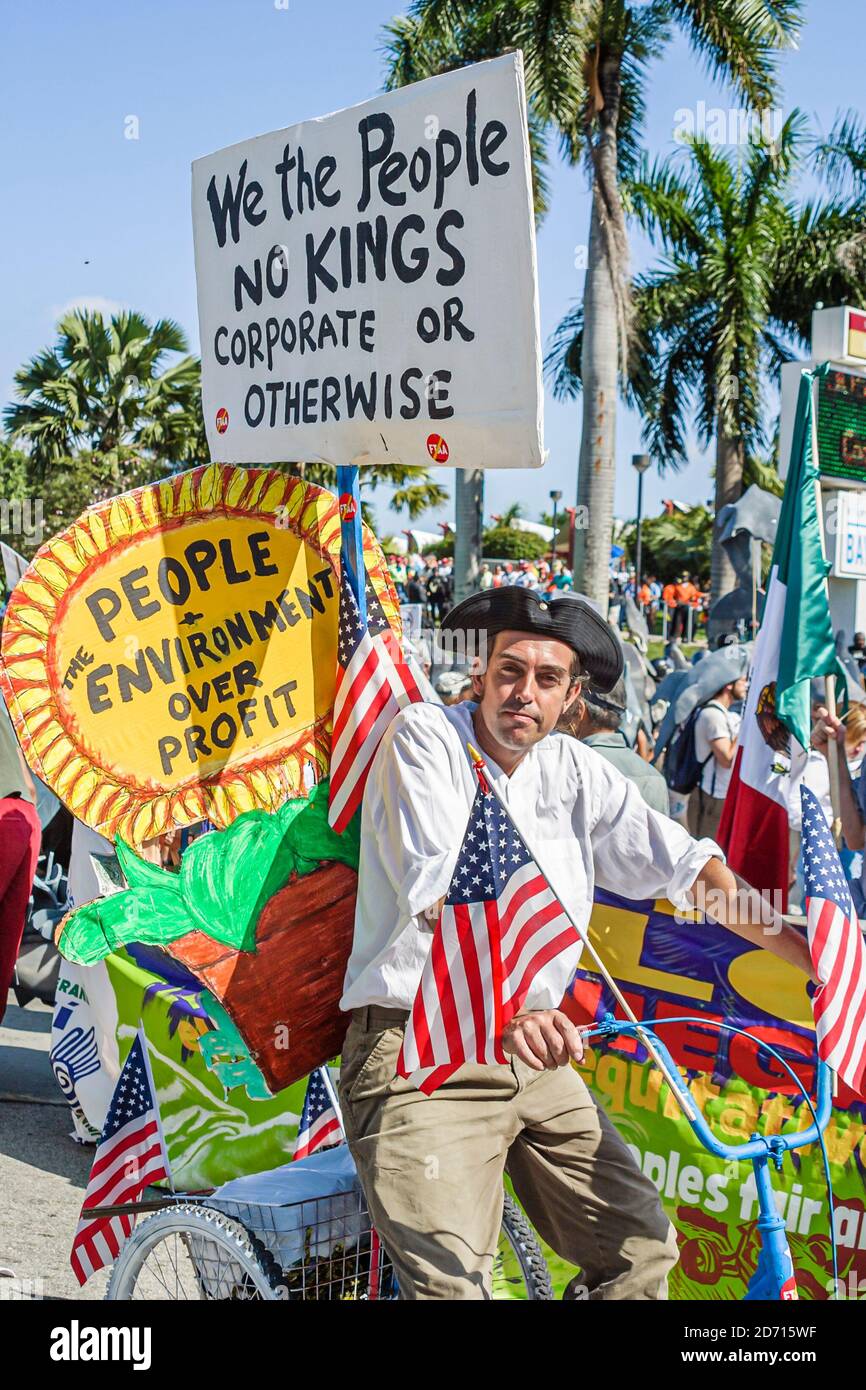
pixel 367 282
pixel 171 656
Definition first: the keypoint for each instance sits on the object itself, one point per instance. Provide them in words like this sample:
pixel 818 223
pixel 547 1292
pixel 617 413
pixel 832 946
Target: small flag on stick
pixel 373 683
pixel 129 1157
pixel 321 1125
pixel 837 950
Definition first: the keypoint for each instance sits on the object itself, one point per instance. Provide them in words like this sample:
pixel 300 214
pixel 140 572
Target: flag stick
pixel 829 681
pixel 147 1067
pixel 351 537
pixel 479 764
pixel 332 1094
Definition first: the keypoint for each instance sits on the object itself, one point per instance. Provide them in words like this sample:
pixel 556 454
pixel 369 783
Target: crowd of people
pixel 429 580
pixel 674 601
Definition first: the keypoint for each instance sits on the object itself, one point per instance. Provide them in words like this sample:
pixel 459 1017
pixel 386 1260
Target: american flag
pixel 320 1121
pixel 837 950
pixel 373 683
pixel 500 925
pixel 129 1156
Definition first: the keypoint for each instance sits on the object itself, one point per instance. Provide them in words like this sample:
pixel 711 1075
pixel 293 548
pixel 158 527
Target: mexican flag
pixel 794 644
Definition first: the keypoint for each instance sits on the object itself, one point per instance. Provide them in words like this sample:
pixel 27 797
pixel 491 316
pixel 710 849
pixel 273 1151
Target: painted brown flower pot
pixel 283 996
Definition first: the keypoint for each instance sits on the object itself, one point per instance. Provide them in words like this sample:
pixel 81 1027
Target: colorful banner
pixel 171 656
pixel 668 967
pixel 219 1119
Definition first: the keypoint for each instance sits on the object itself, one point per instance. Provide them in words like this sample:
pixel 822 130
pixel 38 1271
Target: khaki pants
pixel 704 814
pixel 432 1170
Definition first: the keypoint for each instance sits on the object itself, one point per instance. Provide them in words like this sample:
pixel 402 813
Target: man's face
pixel 525 689
pixel 739 688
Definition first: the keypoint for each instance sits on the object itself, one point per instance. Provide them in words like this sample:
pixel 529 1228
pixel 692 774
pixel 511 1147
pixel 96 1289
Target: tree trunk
pixel 597 469
pixel 468 518
pixel 729 487
pixel 605 317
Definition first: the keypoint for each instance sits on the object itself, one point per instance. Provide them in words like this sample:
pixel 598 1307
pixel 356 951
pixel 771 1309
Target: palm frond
pixel 739 40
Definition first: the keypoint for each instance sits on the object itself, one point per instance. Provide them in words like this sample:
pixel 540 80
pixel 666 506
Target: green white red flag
pixel 795 643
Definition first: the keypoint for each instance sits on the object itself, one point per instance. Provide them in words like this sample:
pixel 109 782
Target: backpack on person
pixel 683 767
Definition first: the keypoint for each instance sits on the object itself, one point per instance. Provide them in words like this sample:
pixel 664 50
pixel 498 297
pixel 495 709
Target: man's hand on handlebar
pixel 544 1039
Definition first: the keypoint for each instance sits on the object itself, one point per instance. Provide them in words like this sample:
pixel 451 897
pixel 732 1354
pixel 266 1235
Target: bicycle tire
pixel 533 1266
pixel 250 1273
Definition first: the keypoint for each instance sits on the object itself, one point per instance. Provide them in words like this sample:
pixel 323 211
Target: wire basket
pixel 320 1248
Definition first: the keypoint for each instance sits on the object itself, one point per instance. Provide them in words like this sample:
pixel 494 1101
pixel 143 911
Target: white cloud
pixel 96 303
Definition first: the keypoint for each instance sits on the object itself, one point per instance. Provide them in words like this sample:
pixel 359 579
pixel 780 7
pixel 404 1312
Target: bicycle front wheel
pixel 191 1252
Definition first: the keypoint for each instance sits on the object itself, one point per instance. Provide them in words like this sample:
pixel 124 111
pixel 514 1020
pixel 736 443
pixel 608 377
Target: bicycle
pixel 325 1247
pixel 773 1277
pixel 320 1248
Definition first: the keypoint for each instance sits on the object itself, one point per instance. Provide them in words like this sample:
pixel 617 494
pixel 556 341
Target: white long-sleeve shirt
pixel 583 820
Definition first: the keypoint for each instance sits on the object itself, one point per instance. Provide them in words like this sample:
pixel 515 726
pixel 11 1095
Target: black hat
pixel 567 619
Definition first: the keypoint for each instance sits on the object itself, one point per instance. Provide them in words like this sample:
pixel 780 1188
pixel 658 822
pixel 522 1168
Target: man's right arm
pixel 416 810
pixel 849 809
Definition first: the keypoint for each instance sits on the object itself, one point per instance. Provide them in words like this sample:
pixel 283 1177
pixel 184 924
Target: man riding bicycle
pixel 432 1166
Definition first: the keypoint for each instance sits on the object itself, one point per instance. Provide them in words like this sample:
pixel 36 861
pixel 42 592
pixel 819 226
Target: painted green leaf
pixel 225 879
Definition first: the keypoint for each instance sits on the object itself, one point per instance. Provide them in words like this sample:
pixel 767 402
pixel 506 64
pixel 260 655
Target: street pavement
pixel 43 1172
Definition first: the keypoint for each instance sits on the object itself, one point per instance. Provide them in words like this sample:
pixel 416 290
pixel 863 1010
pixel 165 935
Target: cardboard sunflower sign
pixel 171 656
pixel 169 659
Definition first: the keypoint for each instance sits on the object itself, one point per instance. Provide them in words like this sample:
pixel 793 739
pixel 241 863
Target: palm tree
pixel 742 271
pixel 120 389
pixel 585 63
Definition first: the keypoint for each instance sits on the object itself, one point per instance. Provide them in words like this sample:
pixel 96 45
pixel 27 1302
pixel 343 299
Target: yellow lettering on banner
pixel 774 985
pixel 618 936
pixel 739 1118
pixel 841 1139
pixel 611 1077
pixel 775 1112
pixel 703 1090
pixel 644 1086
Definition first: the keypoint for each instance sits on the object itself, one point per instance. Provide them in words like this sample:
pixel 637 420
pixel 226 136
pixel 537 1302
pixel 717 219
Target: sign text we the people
pixel 367 282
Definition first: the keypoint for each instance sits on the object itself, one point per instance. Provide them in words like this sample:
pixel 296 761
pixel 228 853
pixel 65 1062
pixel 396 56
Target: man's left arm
pixel 733 903
pixel 639 853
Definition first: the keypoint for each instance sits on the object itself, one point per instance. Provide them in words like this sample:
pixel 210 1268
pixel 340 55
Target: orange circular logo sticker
pixel 348 507
pixel 437 448
pixel 222 420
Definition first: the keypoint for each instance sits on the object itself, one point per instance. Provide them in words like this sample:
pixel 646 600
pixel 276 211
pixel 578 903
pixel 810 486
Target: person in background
pixel 669 599
pixel 655 589
pixel 852 795
pixel 509 575
pixel 397 570
pixel 855 738
pixel 485 579
pixel 595 719
pixel 440 592
pixel 716 731
pixel 857 650
pixel 814 774
pixel 686 595
pixel 855 746
pixel 20 836
pixel 453 687
pixel 415 590
pixel 498 577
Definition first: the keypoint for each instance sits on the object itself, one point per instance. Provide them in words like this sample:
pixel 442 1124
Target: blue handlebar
pixel 755 1147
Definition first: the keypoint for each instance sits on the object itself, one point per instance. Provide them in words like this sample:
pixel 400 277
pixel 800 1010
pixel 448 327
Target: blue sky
pixel 94 217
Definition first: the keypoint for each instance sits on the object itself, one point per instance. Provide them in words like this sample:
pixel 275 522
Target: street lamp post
pixel 555 497
pixel 641 462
